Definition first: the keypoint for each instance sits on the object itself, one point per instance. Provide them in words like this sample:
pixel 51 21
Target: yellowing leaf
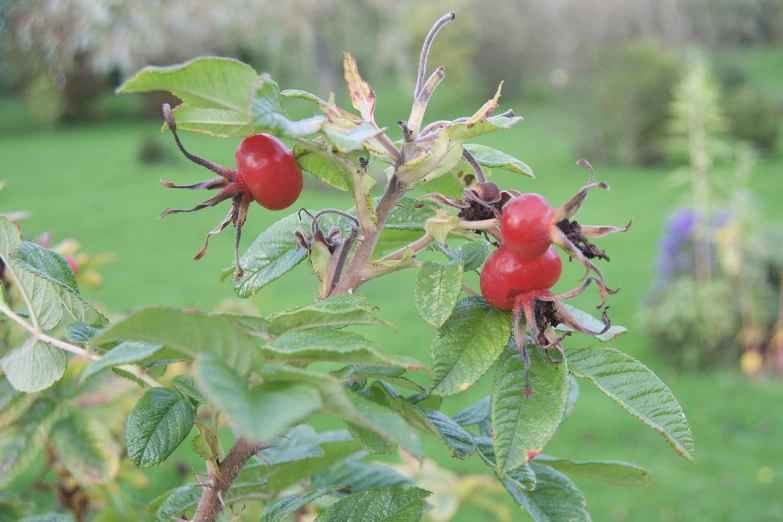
pixel 486 109
pixel 362 95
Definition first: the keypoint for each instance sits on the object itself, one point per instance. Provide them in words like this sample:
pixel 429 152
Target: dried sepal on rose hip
pixel 529 226
pixel 266 173
pixel 539 311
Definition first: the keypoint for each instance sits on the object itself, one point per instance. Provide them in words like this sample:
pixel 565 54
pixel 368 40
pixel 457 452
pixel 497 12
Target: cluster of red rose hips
pixel 518 276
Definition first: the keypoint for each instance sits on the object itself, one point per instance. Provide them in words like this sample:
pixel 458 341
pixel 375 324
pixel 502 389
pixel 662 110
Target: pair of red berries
pixel 526 261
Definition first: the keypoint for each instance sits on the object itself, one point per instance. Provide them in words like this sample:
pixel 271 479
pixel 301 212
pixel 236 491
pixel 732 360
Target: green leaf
pixel 10 237
pixel 300 443
pixel 555 497
pixel 637 390
pixel 467 345
pixel 80 333
pixel 214 122
pixel 438 159
pixel 359 372
pixel 359 476
pixel 389 424
pixel 573 396
pixel 127 352
pixel 523 477
pixel 187 385
pixel 46 263
pixel 250 324
pixel 495 159
pixel 157 425
pixel 473 254
pixel 424 400
pixel 86 447
pixel 324 167
pixel 21 443
pixel 394 504
pixel 303 95
pixel 269 116
pixel 282 510
pixel 12 403
pixel 616 473
pixel 338 310
pixel 262 412
pixel 353 139
pixel 523 426
pixel 336 446
pixel 592 323
pixel 191 334
pixel 407 217
pixel 312 345
pixel 351 407
pixel 176 502
pixel 34 366
pixel 218 83
pixel 466 131
pixel 437 289
pixel 201 447
pixel 475 414
pixel 459 441
pixel 370 441
pixel 273 254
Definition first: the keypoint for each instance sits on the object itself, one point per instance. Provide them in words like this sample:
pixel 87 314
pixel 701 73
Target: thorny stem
pixel 211 504
pixel 475 165
pixel 81 352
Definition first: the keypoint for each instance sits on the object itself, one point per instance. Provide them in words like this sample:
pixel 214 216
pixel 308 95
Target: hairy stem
pixel 211 503
pixel 425 49
pixel 475 165
pixel 417 246
pixel 352 278
pixel 212 500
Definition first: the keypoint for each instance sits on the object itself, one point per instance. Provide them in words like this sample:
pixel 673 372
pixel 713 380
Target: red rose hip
pixel 526 224
pixel 506 275
pixel 268 171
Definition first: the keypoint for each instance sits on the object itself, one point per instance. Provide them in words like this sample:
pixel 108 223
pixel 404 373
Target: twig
pixel 425 49
pixel 475 165
pixel 211 505
pixel 417 246
pixel 81 352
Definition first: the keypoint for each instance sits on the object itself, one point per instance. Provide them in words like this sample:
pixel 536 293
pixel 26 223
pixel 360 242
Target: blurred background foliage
pixel 678 103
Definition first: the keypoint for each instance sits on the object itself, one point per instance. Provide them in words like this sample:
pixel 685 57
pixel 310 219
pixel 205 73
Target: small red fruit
pixel 506 275
pixel 268 172
pixel 526 225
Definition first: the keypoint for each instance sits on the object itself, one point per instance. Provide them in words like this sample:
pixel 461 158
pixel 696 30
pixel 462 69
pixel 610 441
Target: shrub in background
pixel 630 89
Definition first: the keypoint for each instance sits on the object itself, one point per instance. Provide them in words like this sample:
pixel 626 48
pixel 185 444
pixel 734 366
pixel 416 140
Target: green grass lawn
pixel 86 183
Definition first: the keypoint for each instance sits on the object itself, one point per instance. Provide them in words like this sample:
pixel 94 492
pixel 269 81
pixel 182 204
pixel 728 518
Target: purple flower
pixel 681 223
pixel 669 244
